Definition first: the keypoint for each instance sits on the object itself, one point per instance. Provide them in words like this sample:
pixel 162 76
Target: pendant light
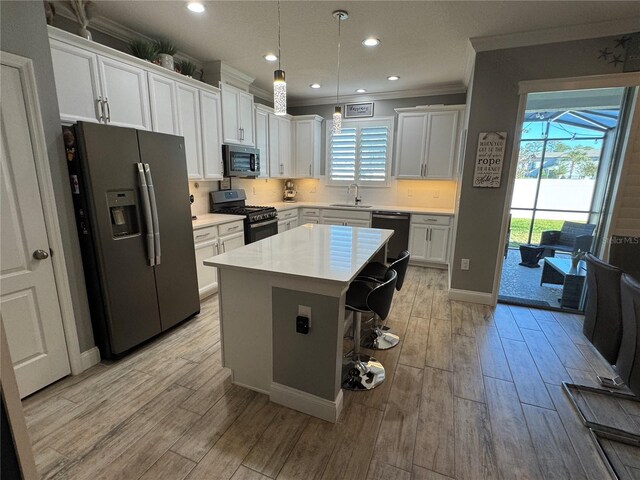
pixel 336 128
pixel 279 83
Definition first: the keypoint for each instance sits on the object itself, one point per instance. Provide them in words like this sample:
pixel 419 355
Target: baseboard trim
pixel 471 296
pixel 249 387
pixel 420 263
pixel 89 358
pixel 306 403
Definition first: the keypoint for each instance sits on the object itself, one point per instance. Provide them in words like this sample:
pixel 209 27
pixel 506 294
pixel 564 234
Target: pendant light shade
pixel 279 93
pixel 279 83
pixel 336 128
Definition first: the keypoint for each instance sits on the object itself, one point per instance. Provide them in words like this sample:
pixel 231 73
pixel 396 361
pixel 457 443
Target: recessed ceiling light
pixel 195 7
pixel 315 85
pixel 270 57
pixel 393 78
pixel 361 90
pixel 371 42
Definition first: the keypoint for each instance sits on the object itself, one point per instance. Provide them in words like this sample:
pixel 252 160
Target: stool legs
pixel 378 339
pixel 363 372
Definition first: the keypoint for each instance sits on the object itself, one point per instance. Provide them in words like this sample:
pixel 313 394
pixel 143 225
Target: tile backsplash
pixel 409 193
pixel 259 192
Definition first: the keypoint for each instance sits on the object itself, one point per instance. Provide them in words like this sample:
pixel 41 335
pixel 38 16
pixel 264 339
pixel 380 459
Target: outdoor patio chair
pixel 573 237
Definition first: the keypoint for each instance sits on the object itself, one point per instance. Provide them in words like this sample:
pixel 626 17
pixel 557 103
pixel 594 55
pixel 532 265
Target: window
pixel 361 153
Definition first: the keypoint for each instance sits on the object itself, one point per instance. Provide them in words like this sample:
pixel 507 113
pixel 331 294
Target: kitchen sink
pixel 349 205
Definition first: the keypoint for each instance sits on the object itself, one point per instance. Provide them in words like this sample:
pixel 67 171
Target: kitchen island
pixel 268 288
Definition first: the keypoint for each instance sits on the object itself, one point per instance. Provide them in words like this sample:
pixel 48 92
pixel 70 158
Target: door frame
pixel 547 85
pixel 45 186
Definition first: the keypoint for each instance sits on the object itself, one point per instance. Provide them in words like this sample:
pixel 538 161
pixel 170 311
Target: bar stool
pixel 628 362
pixel 364 372
pixel 377 338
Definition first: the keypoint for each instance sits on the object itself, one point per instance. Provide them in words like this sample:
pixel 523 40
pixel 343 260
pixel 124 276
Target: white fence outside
pixel 556 194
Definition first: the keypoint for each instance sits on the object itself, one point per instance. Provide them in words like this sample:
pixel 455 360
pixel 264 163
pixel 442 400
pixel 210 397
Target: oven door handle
pixel 264 224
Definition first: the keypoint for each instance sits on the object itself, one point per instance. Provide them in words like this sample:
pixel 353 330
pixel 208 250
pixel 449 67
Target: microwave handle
pixel 252 162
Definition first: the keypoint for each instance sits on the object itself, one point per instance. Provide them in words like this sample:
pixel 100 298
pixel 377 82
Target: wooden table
pixel 559 271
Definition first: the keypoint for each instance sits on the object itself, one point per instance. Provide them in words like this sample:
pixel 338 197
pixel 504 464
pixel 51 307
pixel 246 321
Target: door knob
pixel 40 255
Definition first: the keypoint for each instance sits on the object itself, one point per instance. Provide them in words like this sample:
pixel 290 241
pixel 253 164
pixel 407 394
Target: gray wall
pixel 23 32
pixel 494 107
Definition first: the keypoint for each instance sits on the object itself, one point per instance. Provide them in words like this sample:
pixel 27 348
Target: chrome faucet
pixel 356 198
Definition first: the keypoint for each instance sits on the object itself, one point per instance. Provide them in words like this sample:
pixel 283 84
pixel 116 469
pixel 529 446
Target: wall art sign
pixel 355 110
pixel 489 159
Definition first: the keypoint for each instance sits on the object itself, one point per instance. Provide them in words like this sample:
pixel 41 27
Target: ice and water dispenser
pixel 123 209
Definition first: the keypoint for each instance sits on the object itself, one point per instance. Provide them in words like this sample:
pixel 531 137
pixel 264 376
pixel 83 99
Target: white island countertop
pixel 324 252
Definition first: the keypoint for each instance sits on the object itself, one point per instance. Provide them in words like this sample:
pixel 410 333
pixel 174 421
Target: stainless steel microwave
pixel 241 161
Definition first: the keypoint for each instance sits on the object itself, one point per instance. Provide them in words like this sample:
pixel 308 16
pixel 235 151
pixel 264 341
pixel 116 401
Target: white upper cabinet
pixel 428 142
pixel 412 128
pixel 280 146
pixel 306 149
pixel 237 116
pixel 98 84
pixel 211 115
pixel 164 104
pixel 97 88
pixel 189 115
pixel 77 83
pixel 262 138
pixel 126 98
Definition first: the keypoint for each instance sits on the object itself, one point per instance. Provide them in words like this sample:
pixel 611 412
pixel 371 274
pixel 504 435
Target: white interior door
pixel 29 303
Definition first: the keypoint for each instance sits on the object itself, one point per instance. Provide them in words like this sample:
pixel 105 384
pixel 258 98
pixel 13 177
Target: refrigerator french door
pixel 134 222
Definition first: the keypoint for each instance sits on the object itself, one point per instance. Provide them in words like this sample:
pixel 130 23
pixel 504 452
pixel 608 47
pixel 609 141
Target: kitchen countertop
pixel 324 252
pixel 282 206
pixel 210 219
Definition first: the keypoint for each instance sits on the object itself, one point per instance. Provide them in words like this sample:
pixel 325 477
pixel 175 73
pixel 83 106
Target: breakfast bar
pixel 282 312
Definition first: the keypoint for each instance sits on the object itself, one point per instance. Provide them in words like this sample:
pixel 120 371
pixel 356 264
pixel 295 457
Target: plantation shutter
pixel 361 152
pixel 373 154
pixel 343 155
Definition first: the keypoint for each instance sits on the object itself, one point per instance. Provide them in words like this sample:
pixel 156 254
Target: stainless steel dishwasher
pixel 399 223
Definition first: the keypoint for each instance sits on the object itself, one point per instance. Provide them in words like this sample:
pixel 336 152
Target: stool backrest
pixel 628 363
pixel 400 266
pixel 379 299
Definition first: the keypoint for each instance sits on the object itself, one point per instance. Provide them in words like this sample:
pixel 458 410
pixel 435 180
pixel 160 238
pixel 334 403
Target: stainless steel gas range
pixel 259 222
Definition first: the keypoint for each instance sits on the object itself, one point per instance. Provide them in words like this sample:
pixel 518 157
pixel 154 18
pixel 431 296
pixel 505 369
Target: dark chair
pixel 377 338
pixel 602 316
pixel 628 362
pixel 364 372
pixel 573 237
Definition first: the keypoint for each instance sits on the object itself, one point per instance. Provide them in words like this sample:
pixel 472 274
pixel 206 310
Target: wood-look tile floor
pixel 471 393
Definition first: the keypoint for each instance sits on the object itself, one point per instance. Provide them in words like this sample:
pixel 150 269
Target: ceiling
pixel 424 42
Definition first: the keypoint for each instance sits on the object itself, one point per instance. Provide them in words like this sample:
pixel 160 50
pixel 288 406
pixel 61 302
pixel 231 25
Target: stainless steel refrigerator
pixel 131 199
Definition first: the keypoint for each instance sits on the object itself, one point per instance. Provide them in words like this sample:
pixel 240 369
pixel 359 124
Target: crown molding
pixel 120 32
pixel 555 35
pixel 261 93
pixel 447 89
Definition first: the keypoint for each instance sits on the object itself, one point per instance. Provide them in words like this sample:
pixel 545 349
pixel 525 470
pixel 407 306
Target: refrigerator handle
pixel 146 213
pixel 154 213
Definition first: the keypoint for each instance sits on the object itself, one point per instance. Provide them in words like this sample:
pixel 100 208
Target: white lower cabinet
pixel 212 241
pixel 429 243
pixel 350 218
pixel 287 220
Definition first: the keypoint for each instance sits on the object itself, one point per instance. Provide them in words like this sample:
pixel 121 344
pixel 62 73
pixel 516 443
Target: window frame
pixel 359 123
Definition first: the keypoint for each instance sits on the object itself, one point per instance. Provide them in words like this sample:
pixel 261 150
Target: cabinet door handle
pixel 234 228
pixel 108 109
pixel 217 249
pixel 204 235
pixel 426 235
pixel 224 250
pixel 101 117
pixel 309 169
